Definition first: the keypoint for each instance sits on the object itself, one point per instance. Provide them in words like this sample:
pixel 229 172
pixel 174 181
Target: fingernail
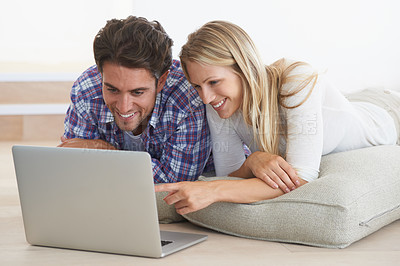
pixel 287 190
pixel 293 188
pixel 297 182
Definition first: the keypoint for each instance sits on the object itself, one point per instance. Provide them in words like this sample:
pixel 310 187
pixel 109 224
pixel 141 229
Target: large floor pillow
pixel 166 213
pixel 358 192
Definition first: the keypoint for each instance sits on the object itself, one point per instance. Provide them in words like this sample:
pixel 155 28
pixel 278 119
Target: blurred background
pixel 46 44
pixel 356 41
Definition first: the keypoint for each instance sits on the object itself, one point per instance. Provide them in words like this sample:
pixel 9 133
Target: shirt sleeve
pixel 186 152
pixel 78 122
pixel 304 141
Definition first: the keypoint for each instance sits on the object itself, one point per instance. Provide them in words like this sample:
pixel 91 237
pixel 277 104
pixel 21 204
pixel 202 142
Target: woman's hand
pixel 188 196
pixel 273 170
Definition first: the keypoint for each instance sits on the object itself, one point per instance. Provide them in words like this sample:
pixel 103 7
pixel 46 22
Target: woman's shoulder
pixel 298 81
pixel 291 67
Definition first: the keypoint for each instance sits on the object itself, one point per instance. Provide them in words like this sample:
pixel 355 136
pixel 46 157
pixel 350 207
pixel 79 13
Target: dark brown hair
pixel 134 42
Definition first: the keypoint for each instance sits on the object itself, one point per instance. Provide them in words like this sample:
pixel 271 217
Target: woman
pixel 285 113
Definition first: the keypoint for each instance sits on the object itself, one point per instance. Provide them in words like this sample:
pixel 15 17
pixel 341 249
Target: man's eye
pixel 137 93
pixel 213 82
pixel 112 90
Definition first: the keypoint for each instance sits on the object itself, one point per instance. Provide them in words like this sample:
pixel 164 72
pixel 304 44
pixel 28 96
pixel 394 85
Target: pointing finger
pixel 170 187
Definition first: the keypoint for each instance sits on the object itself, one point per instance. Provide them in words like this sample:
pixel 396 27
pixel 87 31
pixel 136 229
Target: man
pixel 137 98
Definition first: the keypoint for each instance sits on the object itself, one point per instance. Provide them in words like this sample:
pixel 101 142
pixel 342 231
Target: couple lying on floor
pixel 268 124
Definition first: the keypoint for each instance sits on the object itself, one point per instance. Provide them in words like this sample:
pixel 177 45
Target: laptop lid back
pixel 75 198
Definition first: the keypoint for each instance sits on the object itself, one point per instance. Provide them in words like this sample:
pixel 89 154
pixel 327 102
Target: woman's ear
pixel 162 80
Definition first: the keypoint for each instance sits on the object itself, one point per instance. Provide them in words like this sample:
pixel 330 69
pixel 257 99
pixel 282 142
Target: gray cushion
pixel 358 192
pixel 166 213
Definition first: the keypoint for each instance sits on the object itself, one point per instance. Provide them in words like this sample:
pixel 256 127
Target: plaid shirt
pixel 177 135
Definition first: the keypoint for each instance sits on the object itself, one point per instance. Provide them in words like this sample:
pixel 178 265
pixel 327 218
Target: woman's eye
pixel 213 82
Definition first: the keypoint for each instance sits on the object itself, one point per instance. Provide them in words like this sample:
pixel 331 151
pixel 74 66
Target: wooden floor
pixel 381 248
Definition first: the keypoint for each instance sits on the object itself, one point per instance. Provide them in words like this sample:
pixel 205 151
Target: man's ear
pixel 162 80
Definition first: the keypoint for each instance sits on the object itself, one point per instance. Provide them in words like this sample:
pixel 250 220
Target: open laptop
pixel 96 200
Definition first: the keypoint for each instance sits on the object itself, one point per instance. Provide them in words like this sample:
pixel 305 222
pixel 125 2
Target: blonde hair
pixel 222 43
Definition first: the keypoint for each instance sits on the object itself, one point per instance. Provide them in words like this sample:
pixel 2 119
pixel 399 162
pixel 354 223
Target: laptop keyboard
pixel 165 242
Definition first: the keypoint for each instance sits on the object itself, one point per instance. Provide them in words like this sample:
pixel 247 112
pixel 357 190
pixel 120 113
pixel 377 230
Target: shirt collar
pixel 105 114
pixel 155 116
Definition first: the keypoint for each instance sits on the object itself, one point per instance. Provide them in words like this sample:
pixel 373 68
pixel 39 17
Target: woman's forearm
pixel 243 191
pixel 193 196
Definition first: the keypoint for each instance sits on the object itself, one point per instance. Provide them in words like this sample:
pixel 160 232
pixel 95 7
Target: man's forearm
pixel 86 143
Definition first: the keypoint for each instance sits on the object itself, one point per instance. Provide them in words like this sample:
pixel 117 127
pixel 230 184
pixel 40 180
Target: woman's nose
pixel 206 95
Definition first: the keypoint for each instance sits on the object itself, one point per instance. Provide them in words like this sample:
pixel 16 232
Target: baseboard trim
pixel 42 76
pixel 33 109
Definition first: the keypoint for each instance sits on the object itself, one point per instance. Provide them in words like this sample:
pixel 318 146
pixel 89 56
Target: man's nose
pixel 124 103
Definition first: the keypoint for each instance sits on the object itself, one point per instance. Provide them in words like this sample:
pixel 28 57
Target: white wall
pixel 355 41
pixel 45 39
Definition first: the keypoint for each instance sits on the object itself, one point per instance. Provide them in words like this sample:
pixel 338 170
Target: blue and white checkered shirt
pixel 177 136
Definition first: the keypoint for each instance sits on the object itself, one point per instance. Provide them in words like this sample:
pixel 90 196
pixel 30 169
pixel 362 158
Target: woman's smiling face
pixel 218 86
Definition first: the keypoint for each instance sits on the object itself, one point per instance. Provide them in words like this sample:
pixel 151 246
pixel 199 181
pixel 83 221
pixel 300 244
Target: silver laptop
pixel 96 200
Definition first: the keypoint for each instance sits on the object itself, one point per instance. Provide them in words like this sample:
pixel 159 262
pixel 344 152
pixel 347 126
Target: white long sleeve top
pixel 325 123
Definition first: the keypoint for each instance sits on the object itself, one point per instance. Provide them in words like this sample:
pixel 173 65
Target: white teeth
pixel 126 116
pixel 219 104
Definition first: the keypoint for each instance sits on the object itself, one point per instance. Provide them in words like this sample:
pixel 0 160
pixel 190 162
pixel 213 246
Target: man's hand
pixel 86 143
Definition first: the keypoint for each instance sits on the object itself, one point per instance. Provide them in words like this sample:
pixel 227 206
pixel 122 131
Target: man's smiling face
pixel 130 94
